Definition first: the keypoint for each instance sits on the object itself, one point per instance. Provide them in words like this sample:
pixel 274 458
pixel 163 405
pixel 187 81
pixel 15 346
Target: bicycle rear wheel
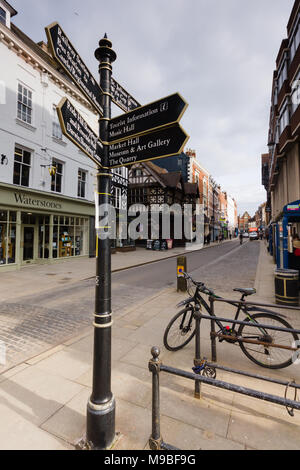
pixel 180 330
pixel 270 357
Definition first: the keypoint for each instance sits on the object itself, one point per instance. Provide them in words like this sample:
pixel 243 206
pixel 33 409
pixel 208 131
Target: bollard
pixel 155 440
pixel 181 281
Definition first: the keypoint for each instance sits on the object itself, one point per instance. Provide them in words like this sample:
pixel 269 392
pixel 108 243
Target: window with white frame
pixel 282 74
pixel 22 164
pixel 24 104
pixel 57 177
pixel 2 16
pixel 295 41
pixel 117 197
pixel 56 128
pixel 82 177
pixel 284 118
pixel 204 191
pixel 295 96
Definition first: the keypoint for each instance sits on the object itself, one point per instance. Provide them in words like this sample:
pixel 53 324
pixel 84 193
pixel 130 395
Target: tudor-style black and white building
pixel 150 185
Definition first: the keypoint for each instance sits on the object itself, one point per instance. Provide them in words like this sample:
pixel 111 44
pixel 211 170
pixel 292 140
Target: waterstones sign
pixel 28 201
pixel 66 55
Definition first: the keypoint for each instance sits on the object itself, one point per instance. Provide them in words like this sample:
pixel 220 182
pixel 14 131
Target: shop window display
pixel 7 237
pixel 70 237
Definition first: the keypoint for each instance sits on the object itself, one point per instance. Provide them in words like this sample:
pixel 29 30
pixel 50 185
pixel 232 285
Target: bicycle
pixel 267 348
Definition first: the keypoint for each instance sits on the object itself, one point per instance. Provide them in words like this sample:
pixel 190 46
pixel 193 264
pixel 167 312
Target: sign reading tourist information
pixel 70 61
pixel 75 128
pixel 122 98
pixel 161 143
pixel 161 113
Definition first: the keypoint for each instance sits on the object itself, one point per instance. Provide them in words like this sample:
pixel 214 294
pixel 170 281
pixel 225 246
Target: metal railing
pixel 208 371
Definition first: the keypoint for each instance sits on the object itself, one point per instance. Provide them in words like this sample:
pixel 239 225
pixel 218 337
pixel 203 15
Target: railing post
pixel 212 332
pixel 155 440
pixel 197 361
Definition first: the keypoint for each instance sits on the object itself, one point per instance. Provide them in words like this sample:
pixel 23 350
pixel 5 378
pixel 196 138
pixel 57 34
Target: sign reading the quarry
pixel 76 129
pixel 161 143
pixel 70 61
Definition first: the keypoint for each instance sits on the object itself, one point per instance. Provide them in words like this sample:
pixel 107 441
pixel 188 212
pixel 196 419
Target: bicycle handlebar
pixel 200 285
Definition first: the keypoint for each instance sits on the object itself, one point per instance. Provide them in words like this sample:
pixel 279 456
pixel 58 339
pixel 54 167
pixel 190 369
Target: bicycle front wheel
pixel 276 348
pixel 180 330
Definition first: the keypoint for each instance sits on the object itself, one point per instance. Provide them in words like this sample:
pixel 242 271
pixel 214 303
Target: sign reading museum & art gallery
pixel 161 143
pixel 66 55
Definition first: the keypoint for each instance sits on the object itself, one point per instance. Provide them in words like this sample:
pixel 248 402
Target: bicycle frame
pixel 197 299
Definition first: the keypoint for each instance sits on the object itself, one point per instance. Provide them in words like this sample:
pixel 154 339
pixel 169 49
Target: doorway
pixel 28 243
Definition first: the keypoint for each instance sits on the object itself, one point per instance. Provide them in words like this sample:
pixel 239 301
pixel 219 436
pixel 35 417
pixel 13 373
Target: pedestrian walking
pixel 241 238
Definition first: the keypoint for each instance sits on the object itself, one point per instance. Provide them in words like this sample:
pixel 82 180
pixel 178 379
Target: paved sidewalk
pixel 43 401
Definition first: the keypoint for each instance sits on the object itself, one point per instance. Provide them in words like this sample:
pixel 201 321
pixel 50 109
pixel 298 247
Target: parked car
pixel 253 236
pixel 245 235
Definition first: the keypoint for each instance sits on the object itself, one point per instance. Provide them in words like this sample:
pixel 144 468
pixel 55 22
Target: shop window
pixel 55 241
pixel 21 167
pixel 81 183
pixel 24 104
pixel 7 238
pixel 56 179
pixel 70 237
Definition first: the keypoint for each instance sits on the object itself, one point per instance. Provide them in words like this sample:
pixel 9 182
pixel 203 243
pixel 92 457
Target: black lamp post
pixel 101 406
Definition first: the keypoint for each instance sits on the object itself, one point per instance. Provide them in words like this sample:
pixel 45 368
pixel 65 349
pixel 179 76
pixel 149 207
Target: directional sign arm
pixel 76 129
pixel 67 57
pixel 158 144
pixel 156 115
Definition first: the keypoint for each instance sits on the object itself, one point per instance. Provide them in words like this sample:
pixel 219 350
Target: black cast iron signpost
pixel 144 134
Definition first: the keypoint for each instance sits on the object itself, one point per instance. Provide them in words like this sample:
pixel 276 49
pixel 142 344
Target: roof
pixel 11 10
pixel 172 179
pixel 157 168
pixel 33 46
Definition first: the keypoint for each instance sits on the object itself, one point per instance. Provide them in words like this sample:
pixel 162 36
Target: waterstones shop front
pixel 37 227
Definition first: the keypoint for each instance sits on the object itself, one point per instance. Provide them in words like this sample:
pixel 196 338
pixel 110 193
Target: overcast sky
pixel 218 54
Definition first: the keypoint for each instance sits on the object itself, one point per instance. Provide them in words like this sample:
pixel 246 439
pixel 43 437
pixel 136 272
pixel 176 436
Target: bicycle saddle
pixel 246 292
